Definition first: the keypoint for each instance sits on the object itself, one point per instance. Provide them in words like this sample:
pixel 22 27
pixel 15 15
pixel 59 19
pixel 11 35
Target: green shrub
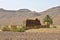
pixel 22 30
pixel 18 29
pixel 54 27
pixel 14 29
pixel 6 28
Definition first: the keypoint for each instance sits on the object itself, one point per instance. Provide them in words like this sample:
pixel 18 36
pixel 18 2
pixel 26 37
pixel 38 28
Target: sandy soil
pixel 45 30
pixel 29 36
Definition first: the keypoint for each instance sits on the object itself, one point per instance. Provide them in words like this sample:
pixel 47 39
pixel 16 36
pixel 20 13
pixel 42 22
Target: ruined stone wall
pixel 32 22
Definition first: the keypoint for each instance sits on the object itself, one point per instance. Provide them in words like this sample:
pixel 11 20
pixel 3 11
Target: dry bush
pixel 6 28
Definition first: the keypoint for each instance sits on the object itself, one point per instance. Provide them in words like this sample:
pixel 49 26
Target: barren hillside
pixel 54 13
pixel 18 17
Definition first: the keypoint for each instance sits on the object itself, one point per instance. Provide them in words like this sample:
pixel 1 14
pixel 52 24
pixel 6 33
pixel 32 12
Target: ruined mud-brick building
pixel 33 23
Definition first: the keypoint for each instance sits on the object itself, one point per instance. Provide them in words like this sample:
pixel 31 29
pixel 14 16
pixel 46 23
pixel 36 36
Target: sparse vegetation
pixel 18 29
pixel 6 28
pixel 14 29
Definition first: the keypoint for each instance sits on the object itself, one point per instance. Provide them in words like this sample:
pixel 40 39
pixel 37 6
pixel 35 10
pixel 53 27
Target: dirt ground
pixel 45 30
pixel 29 36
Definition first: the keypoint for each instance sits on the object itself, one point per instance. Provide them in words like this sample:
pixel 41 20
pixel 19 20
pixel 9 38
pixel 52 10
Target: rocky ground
pixel 29 36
